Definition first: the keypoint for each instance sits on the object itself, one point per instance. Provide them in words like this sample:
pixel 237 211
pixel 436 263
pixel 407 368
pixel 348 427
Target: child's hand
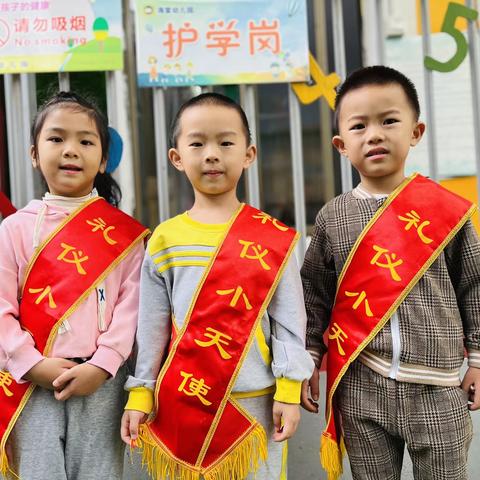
pixel 286 417
pixel 471 385
pixel 131 420
pixel 47 370
pixel 309 403
pixel 80 380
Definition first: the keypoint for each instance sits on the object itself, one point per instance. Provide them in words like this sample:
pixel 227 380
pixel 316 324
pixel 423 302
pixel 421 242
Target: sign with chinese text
pixel 60 36
pixel 206 42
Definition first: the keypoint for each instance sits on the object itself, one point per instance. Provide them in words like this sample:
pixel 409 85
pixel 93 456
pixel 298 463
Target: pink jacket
pixel 102 330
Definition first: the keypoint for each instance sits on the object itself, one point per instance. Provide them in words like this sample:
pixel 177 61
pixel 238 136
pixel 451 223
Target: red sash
pixel 392 253
pixel 63 271
pixel 198 428
pixel 6 207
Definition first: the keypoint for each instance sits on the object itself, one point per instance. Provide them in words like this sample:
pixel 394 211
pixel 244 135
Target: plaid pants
pixel 380 415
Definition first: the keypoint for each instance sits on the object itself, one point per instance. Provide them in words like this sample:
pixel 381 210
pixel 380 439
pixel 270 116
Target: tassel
pixel 159 464
pixel 244 458
pixel 3 462
pixel 343 448
pixel 331 457
pixel 5 469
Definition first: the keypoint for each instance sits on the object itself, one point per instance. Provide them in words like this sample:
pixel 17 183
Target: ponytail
pixel 108 188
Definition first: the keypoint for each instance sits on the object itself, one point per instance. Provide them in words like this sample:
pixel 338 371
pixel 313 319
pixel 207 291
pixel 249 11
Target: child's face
pixel 377 127
pixel 212 149
pixel 69 152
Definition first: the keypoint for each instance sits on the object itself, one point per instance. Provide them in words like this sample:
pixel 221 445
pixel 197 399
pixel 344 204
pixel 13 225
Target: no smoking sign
pixel 4 33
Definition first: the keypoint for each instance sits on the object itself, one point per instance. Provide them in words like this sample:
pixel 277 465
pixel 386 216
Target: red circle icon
pixel 4 33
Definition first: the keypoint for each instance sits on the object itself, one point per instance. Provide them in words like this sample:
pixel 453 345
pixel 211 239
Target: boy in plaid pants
pixel 395 350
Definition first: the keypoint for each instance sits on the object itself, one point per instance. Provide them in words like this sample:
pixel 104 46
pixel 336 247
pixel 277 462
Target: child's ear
pixel 417 133
pixel 339 144
pixel 103 165
pixel 250 156
pixel 175 159
pixel 33 156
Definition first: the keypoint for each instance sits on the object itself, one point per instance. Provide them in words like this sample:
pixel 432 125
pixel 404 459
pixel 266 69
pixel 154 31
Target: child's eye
pixel 195 144
pixel 86 142
pixel 357 126
pixel 54 139
pixel 389 121
pixel 227 144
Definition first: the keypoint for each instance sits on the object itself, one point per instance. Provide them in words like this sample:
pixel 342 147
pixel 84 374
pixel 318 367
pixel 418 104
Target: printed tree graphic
pixel 100 31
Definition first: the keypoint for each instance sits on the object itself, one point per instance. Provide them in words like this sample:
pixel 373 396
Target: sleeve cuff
pixel 474 358
pixel 288 391
pixel 25 359
pixel 316 356
pixel 108 359
pixel 141 399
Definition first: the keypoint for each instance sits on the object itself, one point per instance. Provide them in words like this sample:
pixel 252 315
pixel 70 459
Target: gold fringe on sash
pixel 331 455
pixel 243 459
pixel 5 469
pixel 3 462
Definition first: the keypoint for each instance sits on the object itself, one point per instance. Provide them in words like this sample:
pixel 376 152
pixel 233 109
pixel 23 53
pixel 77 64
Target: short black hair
pixel 210 98
pixel 377 75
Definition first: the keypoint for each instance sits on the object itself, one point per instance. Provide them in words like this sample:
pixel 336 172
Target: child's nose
pixel 69 150
pixel 211 155
pixel 375 135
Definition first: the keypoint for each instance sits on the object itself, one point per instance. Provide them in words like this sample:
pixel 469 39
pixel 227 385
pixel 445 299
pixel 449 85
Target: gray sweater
pixel 176 257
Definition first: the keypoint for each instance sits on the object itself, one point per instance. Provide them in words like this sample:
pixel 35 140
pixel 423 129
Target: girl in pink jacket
pixel 66 424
